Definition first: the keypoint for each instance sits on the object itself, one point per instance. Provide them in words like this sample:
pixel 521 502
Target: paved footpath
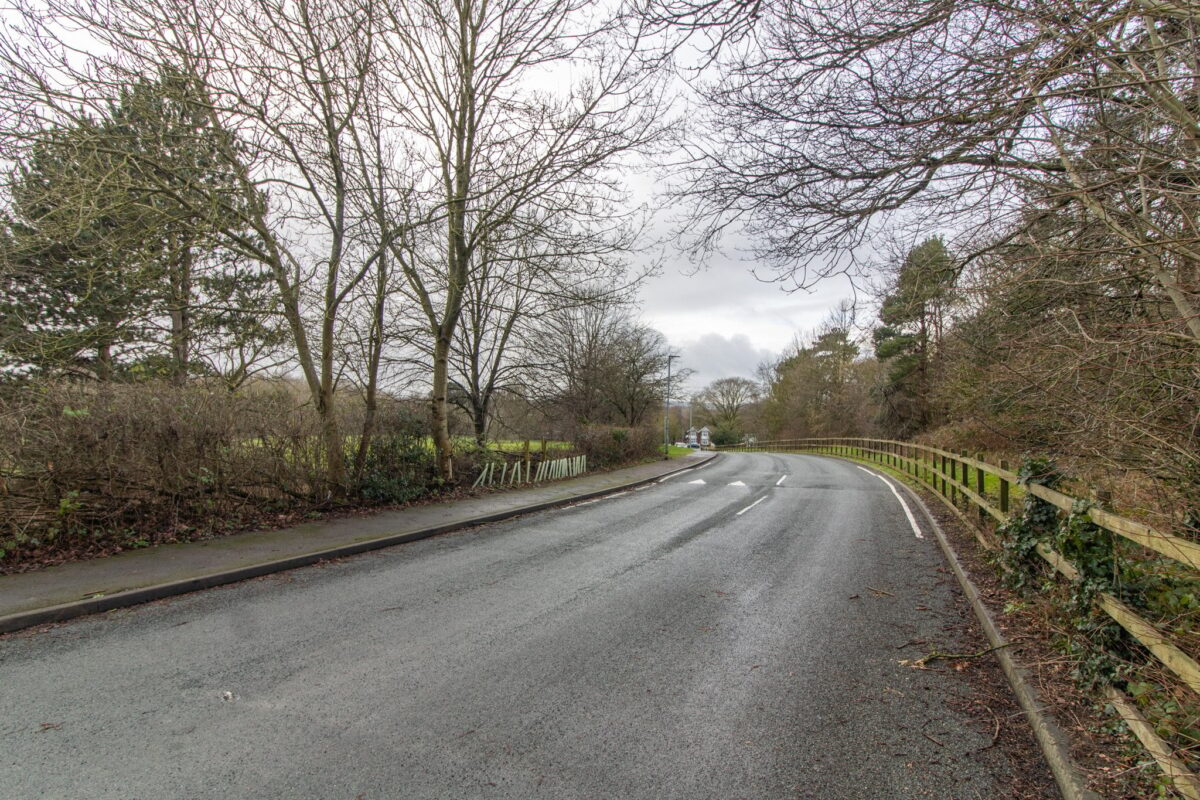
pixel 137 576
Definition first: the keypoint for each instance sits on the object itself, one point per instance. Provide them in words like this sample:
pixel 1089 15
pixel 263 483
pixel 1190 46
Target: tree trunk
pixel 375 356
pixel 321 391
pixel 104 362
pixel 479 416
pixel 181 290
pixel 440 408
pixel 366 434
pixel 457 257
pixel 331 436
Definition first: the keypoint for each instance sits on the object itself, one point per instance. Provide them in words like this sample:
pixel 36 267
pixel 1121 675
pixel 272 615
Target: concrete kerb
pixel 146 594
pixel 1050 736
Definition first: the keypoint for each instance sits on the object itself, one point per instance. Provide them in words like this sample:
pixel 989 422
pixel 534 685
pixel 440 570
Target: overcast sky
pixel 724 322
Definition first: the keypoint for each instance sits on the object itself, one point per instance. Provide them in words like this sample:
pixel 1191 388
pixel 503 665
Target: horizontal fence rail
pixel 958 479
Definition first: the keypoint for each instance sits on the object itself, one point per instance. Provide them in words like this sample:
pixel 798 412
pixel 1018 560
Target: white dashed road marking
pixel 781 480
pixel 752 505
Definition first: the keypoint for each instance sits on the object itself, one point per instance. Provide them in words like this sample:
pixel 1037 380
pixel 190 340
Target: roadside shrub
pixel 724 435
pixel 608 446
pixel 398 465
pixel 92 468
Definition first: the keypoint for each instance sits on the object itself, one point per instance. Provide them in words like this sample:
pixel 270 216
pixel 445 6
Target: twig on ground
pixel 937 655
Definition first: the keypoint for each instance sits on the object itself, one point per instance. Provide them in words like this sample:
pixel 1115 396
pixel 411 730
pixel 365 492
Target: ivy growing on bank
pixel 1155 587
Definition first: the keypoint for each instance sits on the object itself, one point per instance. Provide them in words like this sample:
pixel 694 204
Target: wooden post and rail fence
pixel 988 491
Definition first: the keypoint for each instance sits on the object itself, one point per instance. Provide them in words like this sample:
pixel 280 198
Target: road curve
pixel 733 632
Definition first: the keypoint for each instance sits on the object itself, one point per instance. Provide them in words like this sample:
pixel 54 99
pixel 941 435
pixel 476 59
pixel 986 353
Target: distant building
pixel 698 436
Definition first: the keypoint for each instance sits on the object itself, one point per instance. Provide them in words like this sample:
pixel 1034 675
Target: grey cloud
pixel 714 356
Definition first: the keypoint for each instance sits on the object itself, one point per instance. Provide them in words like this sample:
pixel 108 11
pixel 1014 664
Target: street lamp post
pixel 667 412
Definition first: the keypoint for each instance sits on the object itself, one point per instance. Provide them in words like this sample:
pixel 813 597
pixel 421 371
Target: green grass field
pixel 535 445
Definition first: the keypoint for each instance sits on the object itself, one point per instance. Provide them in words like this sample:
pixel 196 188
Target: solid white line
pixel 781 480
pixel 752 505
pixel 912 521
pixel 673 475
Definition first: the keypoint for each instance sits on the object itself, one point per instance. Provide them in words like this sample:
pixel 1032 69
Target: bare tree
pixel 372 146
pixel 485 359
pixel 837 123
pixel 527 271
pixel 602 366
pixel 722 402
pixel 289 82
pixel 574 343
pixel 489 140
pixel 634 373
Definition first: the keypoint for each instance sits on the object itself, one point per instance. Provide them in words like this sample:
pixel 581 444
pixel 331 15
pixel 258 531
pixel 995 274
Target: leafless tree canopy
pixel 390 165
pixel 836 123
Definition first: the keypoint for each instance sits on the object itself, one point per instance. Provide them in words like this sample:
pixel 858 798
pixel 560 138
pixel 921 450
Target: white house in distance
pixel 699 437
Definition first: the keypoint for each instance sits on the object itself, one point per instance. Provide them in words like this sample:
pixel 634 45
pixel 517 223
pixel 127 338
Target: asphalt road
pixel 727 633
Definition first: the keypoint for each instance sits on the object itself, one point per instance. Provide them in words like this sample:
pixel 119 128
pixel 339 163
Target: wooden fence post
pixel 1003 489
pixel 980 485
pixel 953 479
